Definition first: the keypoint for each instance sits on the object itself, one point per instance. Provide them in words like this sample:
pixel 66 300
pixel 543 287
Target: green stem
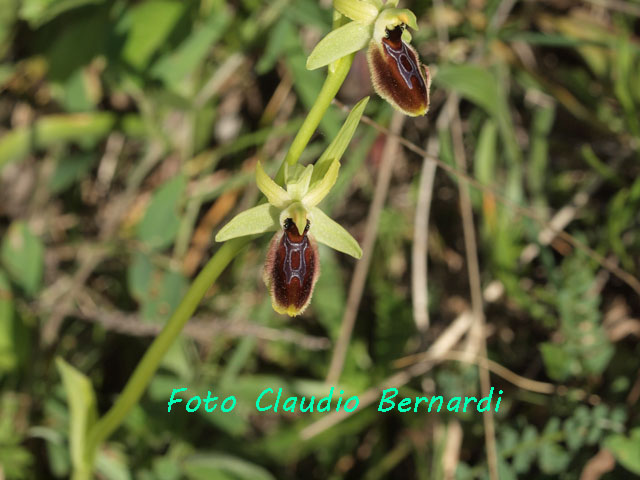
pixel 142 375
pixel 147 367
pixel 82 473
pixel 329 90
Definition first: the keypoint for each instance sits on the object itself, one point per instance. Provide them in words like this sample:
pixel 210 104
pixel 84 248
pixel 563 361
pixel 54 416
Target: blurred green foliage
pixel 129 132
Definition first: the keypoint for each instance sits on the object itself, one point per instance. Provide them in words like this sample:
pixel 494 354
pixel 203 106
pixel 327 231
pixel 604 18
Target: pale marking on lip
pixel 407 74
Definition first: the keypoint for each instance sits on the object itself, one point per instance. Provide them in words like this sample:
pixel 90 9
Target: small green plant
pixel 292 264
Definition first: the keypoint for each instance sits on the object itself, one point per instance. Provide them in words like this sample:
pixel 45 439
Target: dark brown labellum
pixel 398 75
pixel 291 269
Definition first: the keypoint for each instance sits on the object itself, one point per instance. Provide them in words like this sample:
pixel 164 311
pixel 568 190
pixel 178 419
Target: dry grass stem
pixel 419 278
pixel 477 339
pixel 452 446
pixel 362 267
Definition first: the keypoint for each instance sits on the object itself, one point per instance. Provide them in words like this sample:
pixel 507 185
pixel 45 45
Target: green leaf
pixel 148 24
pixel 8 19
pixel 337 147
pixel 523 458
pixel 82 128
pixel 77 95
pixel 157 290
pixel 37 12
pixel 112 465
pixel 161 221
pixel 260 219
pixel 139 276
pixel 626 449
pixel 8 358
pixel 485 157
pixel 214 465
pixel 82 409
pixel 282 37
pixel 552 458
pixel 474 83
pixel 166 290
pixel 326 231
pixel 505 472
pixel 557 361
pixel 339 43
pixel 174 67
pixel 23 257
pixel 70 169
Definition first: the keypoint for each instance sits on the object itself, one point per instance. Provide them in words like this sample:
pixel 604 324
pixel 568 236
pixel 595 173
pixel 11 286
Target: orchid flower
pixel 397 74
pixel 292 265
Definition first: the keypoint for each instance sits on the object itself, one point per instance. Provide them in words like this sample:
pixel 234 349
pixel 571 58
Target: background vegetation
pixel 129 132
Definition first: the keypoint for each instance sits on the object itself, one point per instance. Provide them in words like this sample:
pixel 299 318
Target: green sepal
pixel 326 231
pixel 339 43
pixel 276 195
pixel 359 11
pixel 337 147
pixel 320 190
pixel 260 219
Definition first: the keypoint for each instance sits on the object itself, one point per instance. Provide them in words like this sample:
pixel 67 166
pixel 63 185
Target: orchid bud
pixel 291 269
pixel 397 74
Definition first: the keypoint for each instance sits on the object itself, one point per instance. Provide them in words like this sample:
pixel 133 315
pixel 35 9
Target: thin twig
pixel 510 376
pixel 362 267
pixel 202 329
pixel 519 381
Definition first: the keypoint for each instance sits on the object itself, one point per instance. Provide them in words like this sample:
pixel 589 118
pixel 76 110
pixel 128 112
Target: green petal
pixel 296 212
pixel 299 187
pixel 339 144
pixel 338 43
pixel 357 10
pixel 260 219
pixel 276 195
pixel 326 231
pixel 315 195
pixel 390 18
